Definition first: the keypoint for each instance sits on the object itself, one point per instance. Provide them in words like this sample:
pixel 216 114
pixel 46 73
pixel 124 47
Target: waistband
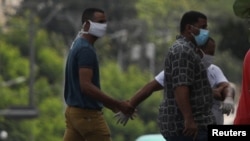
pixel 83 109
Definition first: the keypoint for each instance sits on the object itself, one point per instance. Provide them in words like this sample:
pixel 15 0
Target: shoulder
pixel 214 67
pixel 83 45
pixel 160 78
pixel 183 48
pixel 182 42
pixel 216 73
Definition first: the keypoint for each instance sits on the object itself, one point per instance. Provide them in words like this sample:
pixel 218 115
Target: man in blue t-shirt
pixel 82 91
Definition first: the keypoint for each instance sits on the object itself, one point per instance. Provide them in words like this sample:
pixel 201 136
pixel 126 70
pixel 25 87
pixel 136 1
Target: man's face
pixel 201 24
pixel 97 25
pixel 99 17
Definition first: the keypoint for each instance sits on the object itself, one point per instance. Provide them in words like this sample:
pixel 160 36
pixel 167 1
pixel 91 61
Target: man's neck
pixel 91 39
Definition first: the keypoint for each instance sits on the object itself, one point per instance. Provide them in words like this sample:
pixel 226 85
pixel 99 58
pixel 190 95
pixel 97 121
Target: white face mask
pixel 96 29
pixel 207 60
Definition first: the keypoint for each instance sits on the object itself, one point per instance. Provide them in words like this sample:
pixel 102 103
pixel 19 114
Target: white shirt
pixel 160 78
pixel 214 73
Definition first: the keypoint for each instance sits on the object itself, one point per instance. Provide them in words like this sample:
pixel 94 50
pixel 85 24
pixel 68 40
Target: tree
pixel 14 73
pixel 50 26
pixel 14 63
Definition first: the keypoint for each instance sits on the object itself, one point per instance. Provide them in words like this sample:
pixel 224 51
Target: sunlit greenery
pixel 145 21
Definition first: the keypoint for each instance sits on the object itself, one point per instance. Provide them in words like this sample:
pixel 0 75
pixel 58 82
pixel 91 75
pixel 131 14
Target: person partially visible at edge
pixel 242 9
pixel 82 91
pixel 185 111
pixel 243 110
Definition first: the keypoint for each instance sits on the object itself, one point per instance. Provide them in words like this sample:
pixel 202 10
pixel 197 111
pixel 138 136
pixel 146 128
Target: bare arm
pixel 91 90
pixel 145 92
pixel 229 91
pixel 221 91
pixel 182 97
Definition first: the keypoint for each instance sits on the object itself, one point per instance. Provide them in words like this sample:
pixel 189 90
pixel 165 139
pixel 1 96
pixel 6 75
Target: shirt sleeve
pixel 160 78
pixel 86 58
pixel 183 66
pixel 215 75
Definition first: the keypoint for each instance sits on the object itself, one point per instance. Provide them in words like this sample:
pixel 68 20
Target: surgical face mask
pixel 96 29
pixel 207 60
pixel 202 38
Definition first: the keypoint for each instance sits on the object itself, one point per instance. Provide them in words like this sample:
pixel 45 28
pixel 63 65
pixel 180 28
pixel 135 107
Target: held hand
pixel 228 106
pixel 126 108
pixel 122 118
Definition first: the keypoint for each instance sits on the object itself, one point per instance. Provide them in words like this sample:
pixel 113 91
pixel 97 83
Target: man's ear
pixel 189 28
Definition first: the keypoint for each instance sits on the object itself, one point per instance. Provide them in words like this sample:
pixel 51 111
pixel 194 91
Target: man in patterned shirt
pixel 223 90
pixel 185 110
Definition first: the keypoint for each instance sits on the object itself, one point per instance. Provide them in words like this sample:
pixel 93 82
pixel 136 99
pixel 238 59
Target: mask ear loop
pixel 81 32
pixel 200 52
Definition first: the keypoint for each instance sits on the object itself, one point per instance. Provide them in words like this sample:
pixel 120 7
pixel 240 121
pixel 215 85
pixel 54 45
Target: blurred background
pixel 35 36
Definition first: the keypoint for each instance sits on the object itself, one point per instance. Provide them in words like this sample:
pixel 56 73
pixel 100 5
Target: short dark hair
pixel 190 17
pixel 88 14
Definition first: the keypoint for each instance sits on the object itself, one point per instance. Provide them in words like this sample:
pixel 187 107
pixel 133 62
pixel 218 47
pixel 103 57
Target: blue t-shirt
pixel 81 55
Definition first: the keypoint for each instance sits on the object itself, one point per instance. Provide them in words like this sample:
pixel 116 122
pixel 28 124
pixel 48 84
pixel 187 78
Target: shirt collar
pixel 181 37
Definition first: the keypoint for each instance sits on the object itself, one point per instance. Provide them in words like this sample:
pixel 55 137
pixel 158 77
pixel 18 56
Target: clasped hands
pixel 227 105
pixel 122 118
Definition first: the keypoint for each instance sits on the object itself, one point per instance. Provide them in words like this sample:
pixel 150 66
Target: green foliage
pixel 228 31
pixel 51 64
pixel 50 121
pixel 14 64
pixel 121 84
pixel 153 21
pixel 12 97
pixel 14 72
pixel 12 61
pixel 241 8
pixel 232 69
pixel 235 36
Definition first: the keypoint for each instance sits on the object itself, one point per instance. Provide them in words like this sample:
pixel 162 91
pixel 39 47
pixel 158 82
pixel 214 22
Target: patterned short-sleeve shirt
pixel 183 67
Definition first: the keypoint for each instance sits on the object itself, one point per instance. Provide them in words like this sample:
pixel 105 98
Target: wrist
pixel 229 98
